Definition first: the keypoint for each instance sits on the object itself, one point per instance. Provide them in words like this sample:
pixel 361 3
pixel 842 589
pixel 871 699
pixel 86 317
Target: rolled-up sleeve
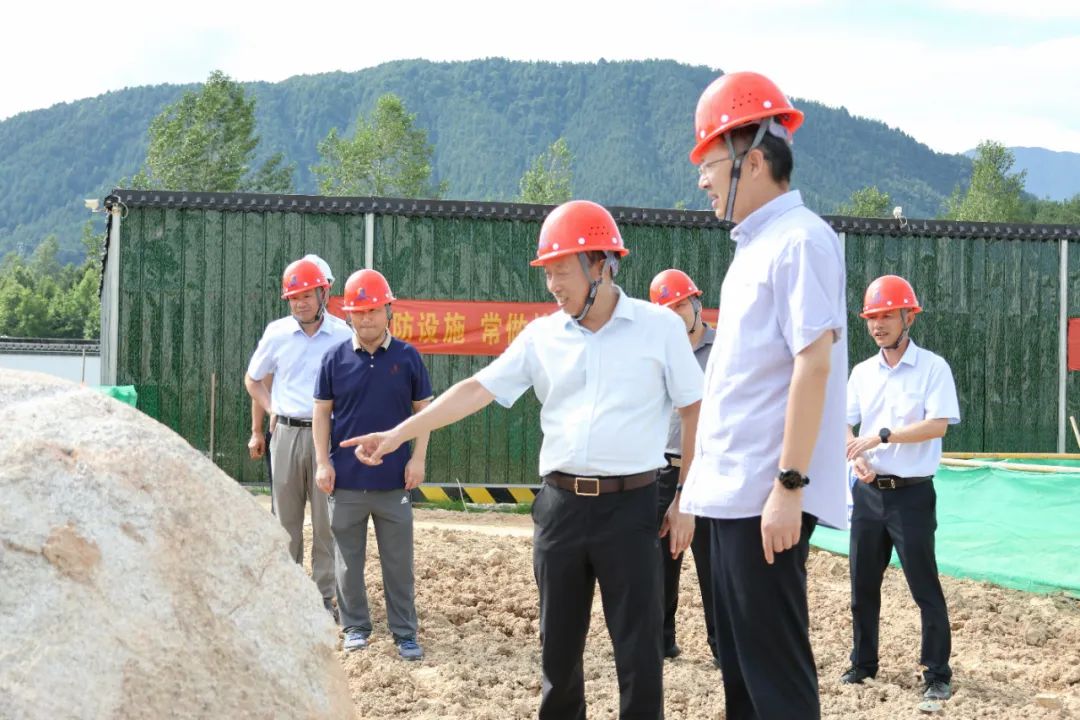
pixel 941 400
pixel 682 374
pixel 808 287
pixel 263 359
pixel 854 410
pixel 509 375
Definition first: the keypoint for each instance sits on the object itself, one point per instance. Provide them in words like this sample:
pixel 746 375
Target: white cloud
pixel 1029 9
pixel 949 95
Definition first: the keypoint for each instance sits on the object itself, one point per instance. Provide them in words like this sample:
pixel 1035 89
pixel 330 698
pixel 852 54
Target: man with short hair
pixel 291 349
pixel 676 291
pixel 369 383
pixel 769 461
pixel 903 399
pixel 607 369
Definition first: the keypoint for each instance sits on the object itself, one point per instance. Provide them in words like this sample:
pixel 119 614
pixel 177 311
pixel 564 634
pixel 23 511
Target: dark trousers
pixel 577 542
pixel 667 480
pixel 906 519
pixel 763 624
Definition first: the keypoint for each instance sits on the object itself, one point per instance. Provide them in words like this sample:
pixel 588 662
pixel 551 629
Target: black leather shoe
pixel 937 690
pixel 672 652
pixel 855 675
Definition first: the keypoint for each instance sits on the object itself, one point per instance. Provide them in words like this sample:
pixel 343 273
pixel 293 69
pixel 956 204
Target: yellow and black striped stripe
pixel 479 494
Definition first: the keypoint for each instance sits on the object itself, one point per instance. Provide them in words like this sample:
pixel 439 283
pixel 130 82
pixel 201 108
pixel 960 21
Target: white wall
pixel 69 367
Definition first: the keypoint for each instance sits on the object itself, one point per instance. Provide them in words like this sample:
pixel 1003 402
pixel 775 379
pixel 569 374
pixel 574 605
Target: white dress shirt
pixel 783 290
pixel 920 387
pixel 606 396
pixel 295 358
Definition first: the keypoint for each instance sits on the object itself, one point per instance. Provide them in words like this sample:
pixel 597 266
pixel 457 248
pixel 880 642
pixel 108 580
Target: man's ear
pixel 755 162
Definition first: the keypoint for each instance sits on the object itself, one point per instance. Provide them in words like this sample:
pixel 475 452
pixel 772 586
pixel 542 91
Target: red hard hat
pixel 366 289
pixel 735 99
pixel 301 276
pixel 671 286
pixel 577 226
pixel 889 292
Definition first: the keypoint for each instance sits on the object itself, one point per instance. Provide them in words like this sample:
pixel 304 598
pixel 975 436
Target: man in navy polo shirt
pixel 367 384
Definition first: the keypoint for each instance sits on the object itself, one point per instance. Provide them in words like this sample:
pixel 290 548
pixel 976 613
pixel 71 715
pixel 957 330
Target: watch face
pixel 792 479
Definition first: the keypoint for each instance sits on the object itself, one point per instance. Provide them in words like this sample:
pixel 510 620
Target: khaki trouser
pixel 292 457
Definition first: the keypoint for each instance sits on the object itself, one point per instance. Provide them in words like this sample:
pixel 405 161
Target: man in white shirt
pixel 291 349
pixel 903 399
pixel 769 461
pixel 607 369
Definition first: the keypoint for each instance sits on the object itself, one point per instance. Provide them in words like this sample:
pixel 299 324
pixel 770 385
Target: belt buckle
pixel 583 493
pixel 891 484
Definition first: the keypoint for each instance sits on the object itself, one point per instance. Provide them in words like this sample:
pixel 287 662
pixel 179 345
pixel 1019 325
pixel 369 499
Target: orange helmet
pixel 889 292
pixel 671 286
pixel 735 99
pixel 301 276
pixel 366 289
pixel 577 226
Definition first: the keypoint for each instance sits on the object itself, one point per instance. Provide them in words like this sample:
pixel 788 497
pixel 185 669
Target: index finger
pixel 353 441
pixel 766 543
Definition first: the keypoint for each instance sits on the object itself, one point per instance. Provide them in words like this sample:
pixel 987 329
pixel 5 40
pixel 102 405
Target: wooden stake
pixel 1011 455
pixel 213 407
pixel 1020 467
pixel 1076 432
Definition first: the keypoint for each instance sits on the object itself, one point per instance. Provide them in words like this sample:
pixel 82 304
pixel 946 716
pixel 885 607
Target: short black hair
pixel 776 151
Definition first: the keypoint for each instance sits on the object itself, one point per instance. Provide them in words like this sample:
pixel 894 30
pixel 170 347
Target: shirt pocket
pixel 909 409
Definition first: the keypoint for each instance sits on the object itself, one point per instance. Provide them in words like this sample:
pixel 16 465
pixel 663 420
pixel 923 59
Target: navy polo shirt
pixel 371 393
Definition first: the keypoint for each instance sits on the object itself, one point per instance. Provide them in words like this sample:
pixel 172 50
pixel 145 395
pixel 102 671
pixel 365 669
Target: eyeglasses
pixel 704 168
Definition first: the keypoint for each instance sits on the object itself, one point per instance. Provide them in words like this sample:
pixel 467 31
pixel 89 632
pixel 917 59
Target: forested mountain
pixel 628 124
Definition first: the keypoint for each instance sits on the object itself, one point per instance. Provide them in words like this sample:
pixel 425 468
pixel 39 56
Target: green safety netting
pixel 1016 529
pixel 123 393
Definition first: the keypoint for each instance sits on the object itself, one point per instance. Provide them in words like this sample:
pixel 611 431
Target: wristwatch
pixel 884 434
pixel 792 479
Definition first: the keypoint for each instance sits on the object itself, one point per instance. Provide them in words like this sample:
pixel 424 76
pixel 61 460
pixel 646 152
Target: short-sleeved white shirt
pixel 920 387
pixel 783 290
pixel 606 396
pixel 295 358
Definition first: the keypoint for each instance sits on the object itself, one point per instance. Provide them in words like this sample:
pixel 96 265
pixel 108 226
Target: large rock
pixel 138 581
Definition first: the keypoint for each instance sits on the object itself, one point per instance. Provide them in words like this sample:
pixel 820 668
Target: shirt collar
pixel 707 338
pixel 910 357
pixel 754 223
pixel 385 344
pixel 324 326
pixel 624 309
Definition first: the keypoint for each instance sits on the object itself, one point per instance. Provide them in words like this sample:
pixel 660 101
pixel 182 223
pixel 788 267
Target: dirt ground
pixel 1015 655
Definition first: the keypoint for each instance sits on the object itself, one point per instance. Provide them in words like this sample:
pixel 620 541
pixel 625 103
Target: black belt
pixel 673 460
pixel 294 422
pixel 893 482
pixel 592 486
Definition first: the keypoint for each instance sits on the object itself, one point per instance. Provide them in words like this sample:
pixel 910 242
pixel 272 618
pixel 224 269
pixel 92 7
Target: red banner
pixel 462 327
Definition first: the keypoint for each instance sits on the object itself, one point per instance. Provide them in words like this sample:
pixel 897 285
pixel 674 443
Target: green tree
pixel 550 179
pixel 1065 212
pixel 869 202
pixel 386 156
pixel 993 194
pixel 40 297
pixel 43 263
pixel 273 176
pixel 206 141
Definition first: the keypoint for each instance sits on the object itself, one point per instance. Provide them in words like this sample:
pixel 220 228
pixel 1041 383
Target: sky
pixel 950 73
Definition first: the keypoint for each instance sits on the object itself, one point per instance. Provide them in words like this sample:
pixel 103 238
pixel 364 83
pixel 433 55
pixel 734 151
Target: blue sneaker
pixel 410 650
pixel 355 640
